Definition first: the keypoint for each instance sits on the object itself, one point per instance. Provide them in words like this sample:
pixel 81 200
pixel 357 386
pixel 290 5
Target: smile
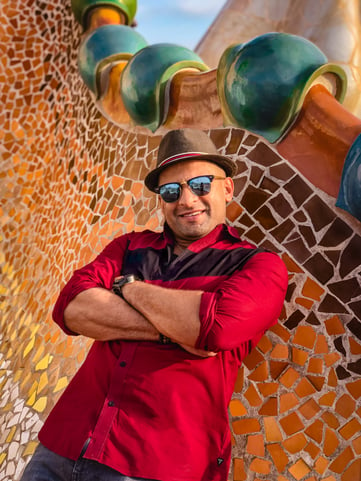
pixel 192 214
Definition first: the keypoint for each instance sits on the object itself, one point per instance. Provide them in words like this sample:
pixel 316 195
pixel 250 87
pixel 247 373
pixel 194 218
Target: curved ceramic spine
pixel 103 47
pixel 262 83
pixel 144 80
pixel 82 8
pixel 349 197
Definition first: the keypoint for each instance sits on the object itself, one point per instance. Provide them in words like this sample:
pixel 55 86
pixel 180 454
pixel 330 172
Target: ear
pixel 229 189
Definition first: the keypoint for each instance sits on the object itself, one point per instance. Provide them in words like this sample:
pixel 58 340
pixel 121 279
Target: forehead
pixel 187 169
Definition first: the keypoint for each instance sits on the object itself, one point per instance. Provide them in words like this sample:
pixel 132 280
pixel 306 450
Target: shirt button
pixel 111 403
pixel 122 364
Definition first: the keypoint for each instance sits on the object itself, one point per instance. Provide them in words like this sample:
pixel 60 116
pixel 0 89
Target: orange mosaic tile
pixel 255 445
pixel 309 409
pixel 327 399
pixel 287 402
pixel 342 460
pixel 321 465
pixel 356 444
pixel 316 381
pixel 252 396
pixel 299 356
pixel 321 346
pixel 330 419
pixel 276 368
pixel 269 407
pixel 345 406
pixel 279 457
pixel 305 336
pixel 289 377
pixel 299 470
pixel 312 450
pixel 281 332
pixel 332 380
pixel 355 347
pixel 354 388
pixel 315 366
pixel 353 472
pixel 291 264
pixel 312 290
pixel 264 345
pixel 331 442
pixel 234 210
pixel 267 388
pixel 246 426
pixel 273 433
pixel 260 466
pixel 350 428
pixel 260 373
pixel 236 408
pixel 253 359
pixel 315 431
pixel 291 424
pixel 304 388
pixel 331 358
pixel 280 351
pixel 239 473
pixel 334 326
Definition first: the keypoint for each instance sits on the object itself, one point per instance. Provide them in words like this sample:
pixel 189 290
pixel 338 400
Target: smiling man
pixel 173 315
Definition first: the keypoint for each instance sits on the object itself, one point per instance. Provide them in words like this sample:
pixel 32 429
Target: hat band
pixel 184 155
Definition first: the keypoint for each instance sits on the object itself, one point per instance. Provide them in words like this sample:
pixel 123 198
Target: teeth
pixel 192 214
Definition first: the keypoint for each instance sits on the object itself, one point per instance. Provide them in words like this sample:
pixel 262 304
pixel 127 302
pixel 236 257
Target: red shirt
pixel 156 411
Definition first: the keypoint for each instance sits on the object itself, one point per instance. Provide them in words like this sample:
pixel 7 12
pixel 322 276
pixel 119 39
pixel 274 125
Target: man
pixel 173 315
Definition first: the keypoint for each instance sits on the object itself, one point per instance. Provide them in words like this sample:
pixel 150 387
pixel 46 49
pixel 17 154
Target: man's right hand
pixel 198 352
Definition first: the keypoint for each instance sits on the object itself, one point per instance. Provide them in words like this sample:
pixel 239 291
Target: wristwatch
pixel 119 282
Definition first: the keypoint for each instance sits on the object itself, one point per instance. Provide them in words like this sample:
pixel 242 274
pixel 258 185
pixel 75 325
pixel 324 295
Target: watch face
pixel 120 281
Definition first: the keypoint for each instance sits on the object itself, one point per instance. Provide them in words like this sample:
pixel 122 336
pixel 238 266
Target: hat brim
pixel 225 163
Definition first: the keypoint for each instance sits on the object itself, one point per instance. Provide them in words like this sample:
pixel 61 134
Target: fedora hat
pixel 187 144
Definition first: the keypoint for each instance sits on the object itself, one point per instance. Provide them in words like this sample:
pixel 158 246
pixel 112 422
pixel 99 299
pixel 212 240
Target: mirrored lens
pixel 170 192
pixel 200 185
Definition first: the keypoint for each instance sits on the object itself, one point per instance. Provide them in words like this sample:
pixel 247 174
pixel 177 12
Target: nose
pixel 187 196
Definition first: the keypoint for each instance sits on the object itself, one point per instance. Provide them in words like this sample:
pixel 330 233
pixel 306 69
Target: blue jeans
pixel 48 466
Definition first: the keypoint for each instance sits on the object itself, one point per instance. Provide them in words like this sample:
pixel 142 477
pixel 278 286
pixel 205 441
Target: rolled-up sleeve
pixel 245 305
pixel 99 273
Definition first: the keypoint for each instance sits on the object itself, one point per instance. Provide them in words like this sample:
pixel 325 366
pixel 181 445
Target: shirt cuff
pixel 207 313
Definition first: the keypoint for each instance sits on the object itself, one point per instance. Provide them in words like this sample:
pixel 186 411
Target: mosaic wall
pixel 71 181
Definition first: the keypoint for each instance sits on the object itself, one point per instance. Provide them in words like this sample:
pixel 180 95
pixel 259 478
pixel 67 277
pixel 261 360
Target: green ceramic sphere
pixel 81 8
pixel 104 45
pixel 145 77
pixel 261 83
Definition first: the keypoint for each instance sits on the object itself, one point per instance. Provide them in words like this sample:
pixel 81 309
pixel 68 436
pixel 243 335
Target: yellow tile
pixel 29 347
pixel 2 458
pixel 40 404
pixel 42 382
pixel 30 448
pixel 61 384
pixel 11 434
pixel 31 399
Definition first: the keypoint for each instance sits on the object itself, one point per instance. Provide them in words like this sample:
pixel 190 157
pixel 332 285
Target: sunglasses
pixel 200 186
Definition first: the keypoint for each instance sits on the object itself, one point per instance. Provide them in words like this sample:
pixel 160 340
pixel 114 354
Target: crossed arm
pixel 240 310
pixel 147 311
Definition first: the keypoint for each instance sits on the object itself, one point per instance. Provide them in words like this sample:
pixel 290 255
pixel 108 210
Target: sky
pixel 183 22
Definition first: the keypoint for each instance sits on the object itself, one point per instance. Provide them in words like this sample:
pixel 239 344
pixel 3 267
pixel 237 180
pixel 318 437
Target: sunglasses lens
pixel 170 192
pixel 200 185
